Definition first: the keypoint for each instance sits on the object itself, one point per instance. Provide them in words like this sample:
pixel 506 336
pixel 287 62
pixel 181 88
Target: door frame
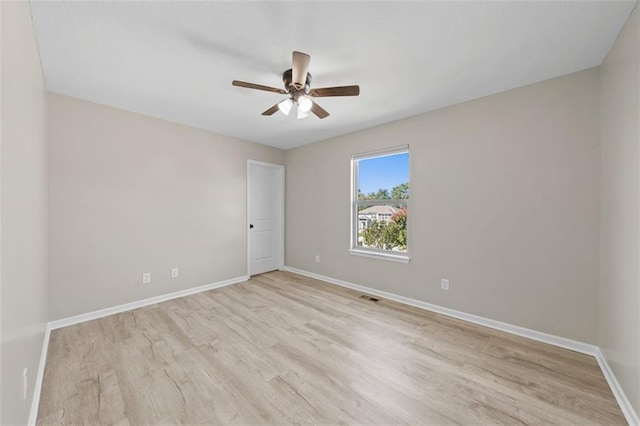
pixel 279 203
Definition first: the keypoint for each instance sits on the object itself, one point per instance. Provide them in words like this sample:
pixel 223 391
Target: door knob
pixel 250 226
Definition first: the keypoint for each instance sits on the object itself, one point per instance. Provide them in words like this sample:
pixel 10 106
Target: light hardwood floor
pixel 286 349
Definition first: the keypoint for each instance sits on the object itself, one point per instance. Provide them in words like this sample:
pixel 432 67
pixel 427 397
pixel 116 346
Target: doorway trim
pixel 279 203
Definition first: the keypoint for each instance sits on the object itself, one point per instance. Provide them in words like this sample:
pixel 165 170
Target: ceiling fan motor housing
pixel 291 87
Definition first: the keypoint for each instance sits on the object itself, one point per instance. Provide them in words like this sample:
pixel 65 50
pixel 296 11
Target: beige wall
pixel 132 194
pixel 504 203
pixel 619 302
pixel 23 195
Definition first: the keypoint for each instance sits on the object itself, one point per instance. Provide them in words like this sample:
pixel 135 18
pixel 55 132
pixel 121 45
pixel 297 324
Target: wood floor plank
pixel 286 349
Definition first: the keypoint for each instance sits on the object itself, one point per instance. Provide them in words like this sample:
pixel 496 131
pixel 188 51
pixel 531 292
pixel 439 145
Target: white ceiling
pixel 176 60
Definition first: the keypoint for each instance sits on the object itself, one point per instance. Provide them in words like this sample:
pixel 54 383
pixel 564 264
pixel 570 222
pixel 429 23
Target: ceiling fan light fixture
pixel 302 114
pixel 304 104
pixel 285 106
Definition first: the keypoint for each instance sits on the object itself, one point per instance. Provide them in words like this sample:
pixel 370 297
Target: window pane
pixel 385 177
pixel 382 227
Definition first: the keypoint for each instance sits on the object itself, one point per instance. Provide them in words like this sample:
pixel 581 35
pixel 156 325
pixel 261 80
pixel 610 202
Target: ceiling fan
pixel 297 82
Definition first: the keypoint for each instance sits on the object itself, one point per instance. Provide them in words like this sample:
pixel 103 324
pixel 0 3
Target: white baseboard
pixel 37 386
pixel 626 407
pixel 585 348
pixel 64 322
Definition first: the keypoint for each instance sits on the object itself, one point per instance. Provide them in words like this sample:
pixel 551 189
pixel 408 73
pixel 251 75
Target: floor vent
pixel 372 299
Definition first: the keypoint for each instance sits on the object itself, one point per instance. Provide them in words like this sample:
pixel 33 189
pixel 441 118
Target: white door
pixel 265 202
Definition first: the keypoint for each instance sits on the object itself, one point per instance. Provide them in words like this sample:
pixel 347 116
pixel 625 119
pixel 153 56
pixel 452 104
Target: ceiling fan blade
pixel 335 91
pixel 271 110
pixel 258 87
pixel 299 69
pixel 318 110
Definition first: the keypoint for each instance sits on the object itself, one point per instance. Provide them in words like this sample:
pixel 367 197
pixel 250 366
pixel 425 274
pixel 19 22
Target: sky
pixel 383 172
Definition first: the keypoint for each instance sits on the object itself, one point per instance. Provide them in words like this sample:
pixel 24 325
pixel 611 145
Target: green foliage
pixel 400 192
pixel 381 194
pixel 388 236
pixel 399 223
pixel 373 235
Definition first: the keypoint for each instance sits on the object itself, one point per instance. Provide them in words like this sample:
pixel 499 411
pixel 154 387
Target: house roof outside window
pixel 380 210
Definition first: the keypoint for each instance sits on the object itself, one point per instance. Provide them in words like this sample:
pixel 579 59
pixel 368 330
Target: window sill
pixel 383 256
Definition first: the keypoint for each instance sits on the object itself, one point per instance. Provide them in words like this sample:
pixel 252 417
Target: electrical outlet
pixel 317 258
pixel 175 272
pixel 25 383
pixel 146 278
pixel 444 284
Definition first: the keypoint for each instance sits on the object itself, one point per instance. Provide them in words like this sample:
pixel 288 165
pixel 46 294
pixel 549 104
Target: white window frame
pixel 402 257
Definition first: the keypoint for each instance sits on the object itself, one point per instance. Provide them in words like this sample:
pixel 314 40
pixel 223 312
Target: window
pixel 379 204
